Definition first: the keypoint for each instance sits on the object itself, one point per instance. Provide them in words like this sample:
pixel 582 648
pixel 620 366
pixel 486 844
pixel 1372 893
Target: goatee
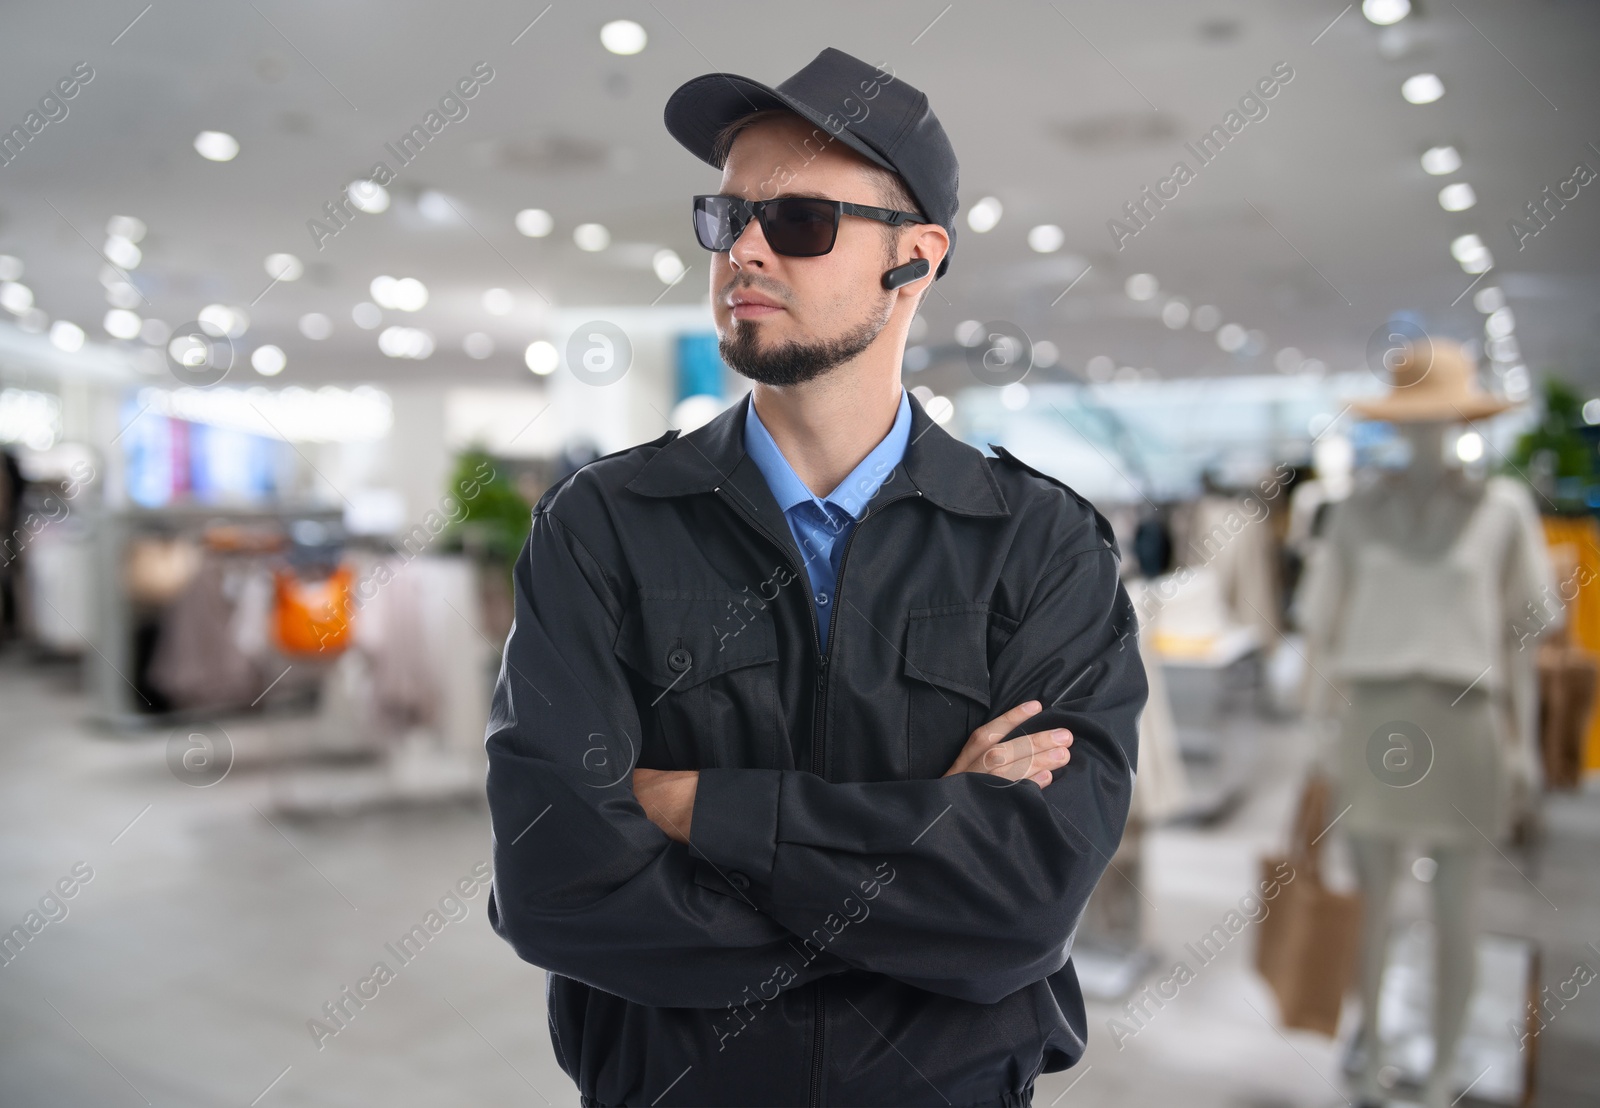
pixel 793 363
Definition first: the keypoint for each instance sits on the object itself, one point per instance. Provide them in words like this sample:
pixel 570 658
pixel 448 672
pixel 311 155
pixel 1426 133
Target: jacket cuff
pixel 735 826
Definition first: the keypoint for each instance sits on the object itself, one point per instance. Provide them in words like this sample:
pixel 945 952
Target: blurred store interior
pixel 273 417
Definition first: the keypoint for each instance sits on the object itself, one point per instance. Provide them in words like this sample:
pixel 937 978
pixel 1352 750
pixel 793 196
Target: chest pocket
pixel 704 680
pixel 947 670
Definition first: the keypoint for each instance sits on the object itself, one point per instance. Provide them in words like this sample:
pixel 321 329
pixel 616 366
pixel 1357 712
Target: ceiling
pixel 1312 226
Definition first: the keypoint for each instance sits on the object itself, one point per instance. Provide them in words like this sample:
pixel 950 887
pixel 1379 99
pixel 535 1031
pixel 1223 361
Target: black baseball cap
pixel 868 109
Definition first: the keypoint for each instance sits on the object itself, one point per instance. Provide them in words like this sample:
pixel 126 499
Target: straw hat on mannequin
pixel 1433 380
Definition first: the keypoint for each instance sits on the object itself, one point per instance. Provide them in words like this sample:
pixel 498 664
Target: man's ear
pixel 931 241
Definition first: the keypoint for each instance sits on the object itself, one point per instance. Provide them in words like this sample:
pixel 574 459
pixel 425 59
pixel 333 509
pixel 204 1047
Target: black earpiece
pixel 913 270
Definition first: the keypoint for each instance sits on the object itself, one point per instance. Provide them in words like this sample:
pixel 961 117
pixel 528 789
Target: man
pixel 750 810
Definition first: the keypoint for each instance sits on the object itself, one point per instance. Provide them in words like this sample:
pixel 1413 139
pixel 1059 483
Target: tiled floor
pixel 188 965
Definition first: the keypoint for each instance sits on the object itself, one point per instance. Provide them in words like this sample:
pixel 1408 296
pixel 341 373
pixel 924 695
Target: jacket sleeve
pixel 585 885
pixel 968 885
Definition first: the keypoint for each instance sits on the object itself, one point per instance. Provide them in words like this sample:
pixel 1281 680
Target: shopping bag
pixel 1307 946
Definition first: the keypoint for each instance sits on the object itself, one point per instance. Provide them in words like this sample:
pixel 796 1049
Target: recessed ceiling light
pixel 15 297
pixel 123 295
pixel 1175 312
pixel 985 214
pixel 1231 336
pixel 127 227
pixel 122 324
pixel 368 196
pixel 668 266
pixel 404 295
pixel 1385 12
pixel 1288 359
pixel 1141 286
pixel 66 336
pixel 316 326
pixel 623 36
pixel 1046 238
pixel 155 332
pixel 541 357
pixel 498 301
pixel 1205 318
pixel 1423 88
pixel 591 236
pixel 1500 323
pixel 1439 160
pixel 268 360
pixel 216 146
pixel 1470 251
pixel 478 345
pixel 405 342
pixel 121 252
pixel 1457 197
pixel 435 207
pixel 10 267
pixel 536 223
pixel 366 316
pixel 284 267
pixel 218 320
pixel 1489 299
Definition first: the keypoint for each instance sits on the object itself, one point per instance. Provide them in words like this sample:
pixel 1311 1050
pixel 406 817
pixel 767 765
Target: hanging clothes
pixel 312 616
pixel 1231 536
pixel 195 663
pixel 390 630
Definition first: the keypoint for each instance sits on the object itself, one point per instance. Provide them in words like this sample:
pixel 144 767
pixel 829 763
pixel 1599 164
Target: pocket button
pixel 679 659
pixel 738 880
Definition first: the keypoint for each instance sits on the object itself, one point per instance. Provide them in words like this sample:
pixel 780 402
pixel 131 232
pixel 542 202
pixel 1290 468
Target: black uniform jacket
pixel 847 926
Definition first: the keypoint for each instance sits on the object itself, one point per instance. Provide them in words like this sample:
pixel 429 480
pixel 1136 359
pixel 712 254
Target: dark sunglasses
pixel 794 226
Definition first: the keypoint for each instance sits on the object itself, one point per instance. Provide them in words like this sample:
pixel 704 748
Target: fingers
pixel 1002 724
pixel 1013 758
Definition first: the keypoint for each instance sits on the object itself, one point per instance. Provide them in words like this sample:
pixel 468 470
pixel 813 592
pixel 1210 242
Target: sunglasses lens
pixel 713 222
pixel 800 228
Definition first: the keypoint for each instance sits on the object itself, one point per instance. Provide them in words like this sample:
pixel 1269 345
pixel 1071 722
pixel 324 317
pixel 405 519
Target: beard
pixel 794 363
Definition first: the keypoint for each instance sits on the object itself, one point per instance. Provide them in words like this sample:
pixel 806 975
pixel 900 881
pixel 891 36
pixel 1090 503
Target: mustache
pixel 755 281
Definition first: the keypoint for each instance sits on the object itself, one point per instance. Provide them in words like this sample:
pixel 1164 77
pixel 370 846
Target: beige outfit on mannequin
pixel 1419 603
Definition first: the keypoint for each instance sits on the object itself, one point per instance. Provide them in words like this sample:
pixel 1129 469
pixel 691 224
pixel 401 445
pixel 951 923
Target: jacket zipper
pixel 818 735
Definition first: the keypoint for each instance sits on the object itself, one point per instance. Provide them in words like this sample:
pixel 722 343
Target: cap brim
pixel 1393 409
pixel 698 111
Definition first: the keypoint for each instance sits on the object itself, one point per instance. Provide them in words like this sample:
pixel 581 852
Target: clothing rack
pixel 115 701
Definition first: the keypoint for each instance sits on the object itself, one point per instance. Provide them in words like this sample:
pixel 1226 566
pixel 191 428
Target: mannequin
pixel 1412 612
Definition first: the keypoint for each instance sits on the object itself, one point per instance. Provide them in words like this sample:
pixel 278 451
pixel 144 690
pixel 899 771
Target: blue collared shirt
pixel 821 525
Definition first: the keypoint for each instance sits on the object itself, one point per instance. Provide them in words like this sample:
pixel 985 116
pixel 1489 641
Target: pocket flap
pixel 681 639
pixel 948 647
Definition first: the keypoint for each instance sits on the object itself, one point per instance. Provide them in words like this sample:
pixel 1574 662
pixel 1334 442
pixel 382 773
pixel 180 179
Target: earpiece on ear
pixel 913 270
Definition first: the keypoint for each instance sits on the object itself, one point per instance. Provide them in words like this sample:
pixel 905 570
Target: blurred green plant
pixel 1555 456
pixel 495 518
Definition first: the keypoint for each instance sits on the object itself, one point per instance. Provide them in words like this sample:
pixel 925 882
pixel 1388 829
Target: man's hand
pixel 1027 757
pixel 667 797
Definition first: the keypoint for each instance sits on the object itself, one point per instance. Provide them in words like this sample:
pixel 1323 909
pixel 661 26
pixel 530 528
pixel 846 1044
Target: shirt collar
pixel 851 494
pixel 946 470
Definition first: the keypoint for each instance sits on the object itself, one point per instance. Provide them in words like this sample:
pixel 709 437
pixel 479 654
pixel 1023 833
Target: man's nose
pixel 750 248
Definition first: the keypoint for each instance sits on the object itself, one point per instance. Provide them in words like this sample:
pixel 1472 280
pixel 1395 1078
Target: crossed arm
pixel 667 795
pixel 991 869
